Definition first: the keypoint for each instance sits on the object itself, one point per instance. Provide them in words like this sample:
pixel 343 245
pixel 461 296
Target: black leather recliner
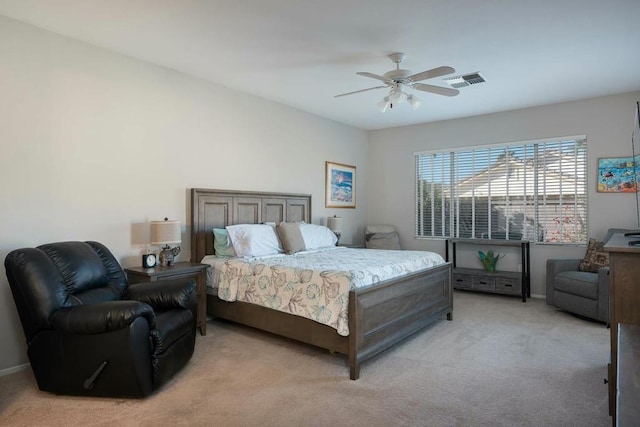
pixel 88 332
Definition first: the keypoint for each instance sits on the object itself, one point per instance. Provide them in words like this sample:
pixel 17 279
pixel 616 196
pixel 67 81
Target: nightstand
pixel 178 270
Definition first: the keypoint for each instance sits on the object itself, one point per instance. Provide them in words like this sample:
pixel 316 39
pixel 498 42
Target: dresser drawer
pixel 483 283
pixel 461 281
pixel 508 285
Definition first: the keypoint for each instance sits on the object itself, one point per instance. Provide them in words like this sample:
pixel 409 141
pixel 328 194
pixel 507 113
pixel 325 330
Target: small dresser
pixel 624 261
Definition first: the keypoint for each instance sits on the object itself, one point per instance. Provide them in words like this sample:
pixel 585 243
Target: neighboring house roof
pixel 517 177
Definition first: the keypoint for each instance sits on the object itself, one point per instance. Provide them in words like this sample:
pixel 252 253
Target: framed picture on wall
pixel 340 185
pixel 618 174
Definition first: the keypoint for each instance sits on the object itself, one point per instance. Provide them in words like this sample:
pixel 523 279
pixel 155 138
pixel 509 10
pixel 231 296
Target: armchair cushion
pixel 580 283
pixel 101 317
pixel 383 241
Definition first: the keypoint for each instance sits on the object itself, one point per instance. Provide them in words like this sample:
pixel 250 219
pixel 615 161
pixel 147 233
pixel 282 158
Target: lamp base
pixel 167 255
pixel 338 234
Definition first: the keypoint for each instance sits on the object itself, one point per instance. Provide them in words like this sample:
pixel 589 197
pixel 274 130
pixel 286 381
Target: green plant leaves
pixel 489 260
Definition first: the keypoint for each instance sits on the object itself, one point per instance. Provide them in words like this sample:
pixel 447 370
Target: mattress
pixel 312 284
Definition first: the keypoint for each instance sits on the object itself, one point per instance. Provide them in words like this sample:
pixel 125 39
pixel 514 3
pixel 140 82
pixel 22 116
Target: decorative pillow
pixel 290 237
pixel 595 258
pixel 317 236
pixel 383 241
pixel 221 243
pixel 254 240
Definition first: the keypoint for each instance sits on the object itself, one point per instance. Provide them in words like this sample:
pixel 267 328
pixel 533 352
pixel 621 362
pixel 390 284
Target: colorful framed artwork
pixel 618 175
pixel 340 185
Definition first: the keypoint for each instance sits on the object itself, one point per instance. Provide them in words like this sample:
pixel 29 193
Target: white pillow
pixel 317 236
pixel 254 239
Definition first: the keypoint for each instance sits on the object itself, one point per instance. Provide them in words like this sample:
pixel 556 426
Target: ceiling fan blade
pixel 373 76
pixel 429 74
pixel 358 91
pixel 435 89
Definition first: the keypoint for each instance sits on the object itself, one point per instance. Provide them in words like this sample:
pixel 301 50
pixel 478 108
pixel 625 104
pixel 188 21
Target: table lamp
pixel 334 223
pixel 165 233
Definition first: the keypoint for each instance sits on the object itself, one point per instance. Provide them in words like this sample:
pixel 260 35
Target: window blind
pixel 533 191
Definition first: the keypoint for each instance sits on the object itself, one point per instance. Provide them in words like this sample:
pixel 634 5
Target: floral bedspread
pixel 312 284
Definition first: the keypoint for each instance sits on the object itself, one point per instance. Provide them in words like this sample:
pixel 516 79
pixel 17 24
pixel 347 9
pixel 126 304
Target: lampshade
pixel 334 223
pixel 384 104
pixel 415 102
pixel 165 232
pixel 396 96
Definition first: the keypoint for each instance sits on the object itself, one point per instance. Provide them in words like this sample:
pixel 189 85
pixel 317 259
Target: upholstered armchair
pixel 580 292
pixel 585 293
pixel 381 237
pixel 88 332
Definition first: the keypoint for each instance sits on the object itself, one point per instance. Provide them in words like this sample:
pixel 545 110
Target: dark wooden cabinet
pixel 499 282
pixel 178 270
pixel 628 387
pixel 624 262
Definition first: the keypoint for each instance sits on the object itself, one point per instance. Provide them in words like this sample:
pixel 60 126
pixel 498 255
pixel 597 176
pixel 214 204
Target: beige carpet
pixel 498 363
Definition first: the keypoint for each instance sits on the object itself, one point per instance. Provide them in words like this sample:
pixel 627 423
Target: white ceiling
pixel 303 52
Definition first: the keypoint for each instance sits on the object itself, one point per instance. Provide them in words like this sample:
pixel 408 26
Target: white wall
pixel 95 144
pixel 607 122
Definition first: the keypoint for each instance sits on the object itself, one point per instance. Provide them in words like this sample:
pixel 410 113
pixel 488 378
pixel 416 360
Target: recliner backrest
pixel 64 274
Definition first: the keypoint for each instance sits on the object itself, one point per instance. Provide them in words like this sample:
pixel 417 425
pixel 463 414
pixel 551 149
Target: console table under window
pixel 499 282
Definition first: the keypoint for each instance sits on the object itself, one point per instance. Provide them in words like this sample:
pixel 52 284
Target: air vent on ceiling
pixel 465 80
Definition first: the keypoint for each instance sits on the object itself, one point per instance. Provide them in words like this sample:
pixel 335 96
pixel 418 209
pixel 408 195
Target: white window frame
pixel 546 202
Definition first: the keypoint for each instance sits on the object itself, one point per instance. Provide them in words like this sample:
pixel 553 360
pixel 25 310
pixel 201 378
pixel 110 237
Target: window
pixel 534 191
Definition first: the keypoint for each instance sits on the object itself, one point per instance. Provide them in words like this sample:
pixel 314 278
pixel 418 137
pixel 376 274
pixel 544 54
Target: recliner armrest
pixel 101 317
pixel 555 266
pixel 164 294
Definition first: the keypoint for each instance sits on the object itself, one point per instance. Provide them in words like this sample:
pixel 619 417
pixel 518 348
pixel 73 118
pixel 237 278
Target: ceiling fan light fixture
pixel 415 102
pixel 399 79
pixel 384 104
pixel 397 95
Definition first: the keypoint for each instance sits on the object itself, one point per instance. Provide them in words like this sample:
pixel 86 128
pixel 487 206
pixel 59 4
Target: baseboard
pixel 538 296
pixel 14 369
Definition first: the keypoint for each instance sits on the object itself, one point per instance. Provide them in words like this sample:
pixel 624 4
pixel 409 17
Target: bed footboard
pixel 379 315
pixel 384 314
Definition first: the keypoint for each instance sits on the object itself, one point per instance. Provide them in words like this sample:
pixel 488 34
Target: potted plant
pixel 489 260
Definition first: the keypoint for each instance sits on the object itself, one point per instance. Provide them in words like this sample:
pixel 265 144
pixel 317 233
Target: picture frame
pixel 618 174
pixel 340 185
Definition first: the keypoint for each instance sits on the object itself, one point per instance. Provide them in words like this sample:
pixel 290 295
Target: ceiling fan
pixel 399 80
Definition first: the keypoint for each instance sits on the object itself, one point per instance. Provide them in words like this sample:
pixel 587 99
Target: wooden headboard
pixel 218 208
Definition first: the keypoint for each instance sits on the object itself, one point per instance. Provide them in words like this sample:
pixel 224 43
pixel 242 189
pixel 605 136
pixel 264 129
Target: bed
pixel 378 316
